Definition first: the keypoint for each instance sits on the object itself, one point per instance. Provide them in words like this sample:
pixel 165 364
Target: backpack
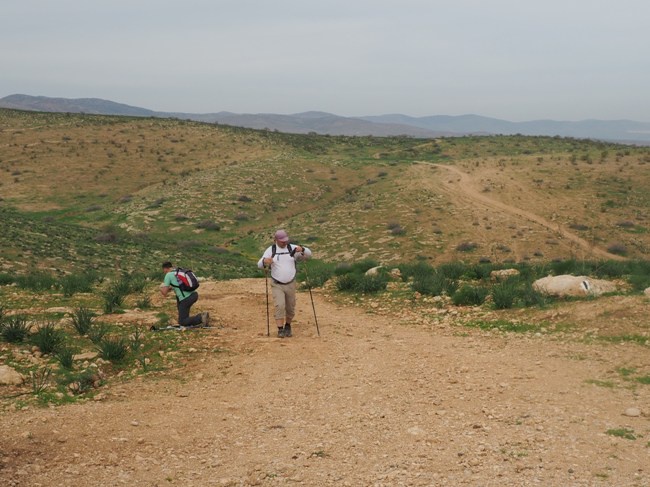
pixel 187 281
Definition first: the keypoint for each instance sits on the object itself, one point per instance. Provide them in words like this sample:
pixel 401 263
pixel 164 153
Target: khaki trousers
pixel 284 297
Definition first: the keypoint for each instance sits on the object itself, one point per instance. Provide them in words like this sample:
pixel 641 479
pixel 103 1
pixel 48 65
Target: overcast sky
pixel 511 59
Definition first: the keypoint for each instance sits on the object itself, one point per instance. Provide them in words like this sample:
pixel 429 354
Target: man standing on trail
pixel 184 299
pixel 281 258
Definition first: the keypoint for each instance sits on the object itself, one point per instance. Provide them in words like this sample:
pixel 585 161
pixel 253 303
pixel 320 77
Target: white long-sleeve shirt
pixel 283 267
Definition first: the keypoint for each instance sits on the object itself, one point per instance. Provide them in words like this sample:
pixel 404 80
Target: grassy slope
pixel 104 191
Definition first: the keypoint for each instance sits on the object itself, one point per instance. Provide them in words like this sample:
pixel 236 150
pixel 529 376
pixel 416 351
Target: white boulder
pixel 567 285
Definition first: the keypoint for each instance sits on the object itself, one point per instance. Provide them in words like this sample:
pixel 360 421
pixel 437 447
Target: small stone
pixel 632 412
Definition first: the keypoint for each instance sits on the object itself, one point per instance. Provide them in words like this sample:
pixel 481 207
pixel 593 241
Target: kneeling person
pixel 184 299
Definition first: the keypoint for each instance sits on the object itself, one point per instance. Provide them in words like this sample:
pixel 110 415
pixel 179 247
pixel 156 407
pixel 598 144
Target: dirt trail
pixel 374 401
pixel 466 186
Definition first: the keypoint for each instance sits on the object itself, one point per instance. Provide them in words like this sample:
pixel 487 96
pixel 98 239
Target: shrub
pixel 361 283
pixel 82 320
pixel 6 279
pixel 342 268
pixel 37 281
pixel 372 284
pixel 479 271
pixel 115 293
pixel 82 381
pixel 316 273
pixel 48 338
pixel 466 246
pixel 113 349
pixel 395 228
pixel 77 283
pixel 144 302
pixel 504 295
pixel 453 270
pixel 531 297
pixel 65 357
pixel 97 331
pixel 639 282
pixel 40 379
pixel 433 283
pixel 414 269
pixel 578 226
pixel 14 329
pixel 617 249
pixel 469 295
pixel 134 283
pixel 209 225
pixel 136 340
pixel 356 268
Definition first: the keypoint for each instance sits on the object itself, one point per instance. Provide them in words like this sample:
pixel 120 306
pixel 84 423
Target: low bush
pixel 115 294
pixel 37 281
pixel 315 273
pixel 114 349
pixel 361 283
pixel 72 284
pixel 65 357
pixel 504 294
pixel 6 279
pixel 97 332
pixel 434 283
pixel 14 329
pixel 48 338
pixel 617 249
pixel 469 295
pixel 143 302
pixel 208 225
pixel 466 246
pixel 82 320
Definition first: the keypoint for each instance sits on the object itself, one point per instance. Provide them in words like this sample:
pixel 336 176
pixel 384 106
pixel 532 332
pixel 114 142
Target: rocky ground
pixel 387 395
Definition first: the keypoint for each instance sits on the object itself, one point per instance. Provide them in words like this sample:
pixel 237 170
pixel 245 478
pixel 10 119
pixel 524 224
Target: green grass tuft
pixel 48 338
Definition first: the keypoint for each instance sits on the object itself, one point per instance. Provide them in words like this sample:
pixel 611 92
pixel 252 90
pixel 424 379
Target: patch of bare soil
pixel 377 399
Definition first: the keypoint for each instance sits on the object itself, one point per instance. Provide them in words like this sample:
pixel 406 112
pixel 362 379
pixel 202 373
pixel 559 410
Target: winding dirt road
pixel 464 186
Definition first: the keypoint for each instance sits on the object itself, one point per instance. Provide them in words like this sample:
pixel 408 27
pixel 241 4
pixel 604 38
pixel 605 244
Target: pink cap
pixel 281 236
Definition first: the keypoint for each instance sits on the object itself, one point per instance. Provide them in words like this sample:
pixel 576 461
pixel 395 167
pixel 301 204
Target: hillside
pixel 399 384
pixel 193 190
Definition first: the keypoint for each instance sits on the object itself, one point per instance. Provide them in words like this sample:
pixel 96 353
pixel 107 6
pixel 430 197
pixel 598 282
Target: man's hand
pixel 268 261
pixel 164 290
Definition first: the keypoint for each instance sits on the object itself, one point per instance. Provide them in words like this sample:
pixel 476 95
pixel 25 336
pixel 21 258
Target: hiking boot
pixel 287 330
pixel 205 319
pixel 281 332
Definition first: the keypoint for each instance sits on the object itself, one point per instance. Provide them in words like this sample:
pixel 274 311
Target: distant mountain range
pixel 626 131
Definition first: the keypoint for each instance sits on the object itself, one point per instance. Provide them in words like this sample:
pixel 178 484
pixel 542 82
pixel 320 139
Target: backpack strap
pixel 274 250
pixel 177 287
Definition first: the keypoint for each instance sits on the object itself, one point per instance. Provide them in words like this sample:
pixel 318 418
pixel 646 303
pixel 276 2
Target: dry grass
pixel 336 194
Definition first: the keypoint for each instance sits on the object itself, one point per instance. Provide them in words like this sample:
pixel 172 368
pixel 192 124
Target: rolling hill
pixel 625 131
pixel 89 190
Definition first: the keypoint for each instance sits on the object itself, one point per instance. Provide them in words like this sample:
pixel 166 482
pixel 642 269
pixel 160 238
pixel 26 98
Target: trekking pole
pixel 266 279
pixel 312 300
